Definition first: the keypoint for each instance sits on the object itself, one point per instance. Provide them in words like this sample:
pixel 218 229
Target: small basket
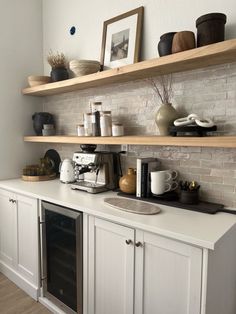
pixel 84 67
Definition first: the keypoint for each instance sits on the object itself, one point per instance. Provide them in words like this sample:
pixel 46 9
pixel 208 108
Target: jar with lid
pixel 80 129
pixel 117 129
pixel 96 108
pixel 88 124
pixel 105 123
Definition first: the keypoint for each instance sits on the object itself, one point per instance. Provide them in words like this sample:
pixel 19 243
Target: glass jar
pixel 105 123
pixel 96 106
pixel 80 130
pixel 117 129
pixel 88 124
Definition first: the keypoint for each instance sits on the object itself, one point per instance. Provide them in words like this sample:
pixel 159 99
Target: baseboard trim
pixel 20 281
pixel 49 305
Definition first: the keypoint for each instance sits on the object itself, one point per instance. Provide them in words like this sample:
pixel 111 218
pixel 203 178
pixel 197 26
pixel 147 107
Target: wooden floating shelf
pixel 219 53
pixel 208 141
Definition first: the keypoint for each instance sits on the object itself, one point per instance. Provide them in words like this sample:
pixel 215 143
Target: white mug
pixel 161 181
pixel 165 175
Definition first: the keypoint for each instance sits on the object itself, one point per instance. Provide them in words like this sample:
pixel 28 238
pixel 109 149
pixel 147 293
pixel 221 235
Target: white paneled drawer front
pixel 167 276
pixel 111 268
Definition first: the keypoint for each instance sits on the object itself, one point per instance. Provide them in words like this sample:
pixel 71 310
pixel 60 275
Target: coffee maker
pixel 95 172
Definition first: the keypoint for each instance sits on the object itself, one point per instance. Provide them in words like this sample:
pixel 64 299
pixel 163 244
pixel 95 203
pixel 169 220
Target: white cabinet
pixel 163 278
pixel 19 241
pixel 8 224
pixel 168 276
pixel 111 268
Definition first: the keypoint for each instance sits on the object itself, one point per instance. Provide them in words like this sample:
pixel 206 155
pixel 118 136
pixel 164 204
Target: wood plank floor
pixel 15 301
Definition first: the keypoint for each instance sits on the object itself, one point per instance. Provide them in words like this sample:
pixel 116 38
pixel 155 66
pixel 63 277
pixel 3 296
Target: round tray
pixel 39 178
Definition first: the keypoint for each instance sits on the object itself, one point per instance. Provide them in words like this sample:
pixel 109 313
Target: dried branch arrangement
pixel 163 88
pixel 56 60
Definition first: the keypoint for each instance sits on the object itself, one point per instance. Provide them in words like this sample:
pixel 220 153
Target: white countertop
pixel 195 228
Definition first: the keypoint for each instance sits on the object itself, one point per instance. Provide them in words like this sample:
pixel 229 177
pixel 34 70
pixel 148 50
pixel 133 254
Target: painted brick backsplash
pixel 208 92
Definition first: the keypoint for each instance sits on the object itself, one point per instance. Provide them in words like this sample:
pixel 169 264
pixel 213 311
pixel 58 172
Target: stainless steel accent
pixel 77 217
pixel 94 172
pixel 138 244
pixel 128 242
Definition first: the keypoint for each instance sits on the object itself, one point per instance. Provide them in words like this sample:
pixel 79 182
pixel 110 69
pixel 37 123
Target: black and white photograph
pixel 119 45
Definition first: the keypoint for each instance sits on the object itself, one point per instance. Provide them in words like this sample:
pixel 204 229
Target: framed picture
pixel 121 40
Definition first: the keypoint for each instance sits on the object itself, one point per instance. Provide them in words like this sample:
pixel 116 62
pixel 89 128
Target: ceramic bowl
pixel 38 80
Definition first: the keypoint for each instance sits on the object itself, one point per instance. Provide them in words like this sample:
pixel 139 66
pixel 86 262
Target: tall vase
pixel 165 117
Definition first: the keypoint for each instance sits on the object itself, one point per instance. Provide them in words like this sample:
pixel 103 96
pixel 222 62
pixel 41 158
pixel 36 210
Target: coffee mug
pixel 163 187
pixel 165 175
pixel 162 181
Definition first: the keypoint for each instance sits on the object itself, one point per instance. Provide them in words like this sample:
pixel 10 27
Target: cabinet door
pixel 8 226
pixel 111 268
pixel 167 276
pixel 27 238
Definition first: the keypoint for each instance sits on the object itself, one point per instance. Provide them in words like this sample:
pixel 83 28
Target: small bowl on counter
pixel 34 80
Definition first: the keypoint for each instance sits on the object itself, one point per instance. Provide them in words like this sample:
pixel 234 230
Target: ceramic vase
pixel 41 118
pixel 127 183
pixel 182 41
pixel 165 117
pixel 165 44
pixel 59 74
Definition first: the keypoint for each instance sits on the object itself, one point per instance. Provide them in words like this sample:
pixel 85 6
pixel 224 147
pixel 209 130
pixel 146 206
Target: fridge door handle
pixel 42 250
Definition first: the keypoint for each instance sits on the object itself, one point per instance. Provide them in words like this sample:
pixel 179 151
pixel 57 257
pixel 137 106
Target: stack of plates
pixel 84 67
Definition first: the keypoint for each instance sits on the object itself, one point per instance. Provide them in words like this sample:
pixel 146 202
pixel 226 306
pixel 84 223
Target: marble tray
pixel 132 206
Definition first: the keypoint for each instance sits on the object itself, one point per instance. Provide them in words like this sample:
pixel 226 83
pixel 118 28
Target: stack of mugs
pixel 163 181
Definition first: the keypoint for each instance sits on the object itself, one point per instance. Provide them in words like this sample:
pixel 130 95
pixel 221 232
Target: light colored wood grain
pixel 15 301
pixel 208 141
pixel 214 54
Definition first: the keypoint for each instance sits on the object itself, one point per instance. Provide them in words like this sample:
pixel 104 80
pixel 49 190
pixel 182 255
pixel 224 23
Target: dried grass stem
pixel 163 88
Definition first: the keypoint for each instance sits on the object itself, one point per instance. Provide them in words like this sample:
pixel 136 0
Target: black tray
pixel 203 207
pixel 191 130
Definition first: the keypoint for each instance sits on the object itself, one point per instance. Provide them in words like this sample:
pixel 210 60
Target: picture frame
pixel 121 40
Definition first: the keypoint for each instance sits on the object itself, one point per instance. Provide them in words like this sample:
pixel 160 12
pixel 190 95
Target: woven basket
pixel 84 67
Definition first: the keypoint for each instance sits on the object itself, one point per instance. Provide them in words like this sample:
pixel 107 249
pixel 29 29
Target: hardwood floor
pixel 15 301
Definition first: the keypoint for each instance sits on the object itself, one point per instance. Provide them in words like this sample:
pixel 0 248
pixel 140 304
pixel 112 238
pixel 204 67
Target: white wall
pixel 161 16
pixel 20 56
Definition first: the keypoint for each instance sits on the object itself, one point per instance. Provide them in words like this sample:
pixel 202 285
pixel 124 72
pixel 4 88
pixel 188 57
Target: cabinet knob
pixel 128 242
pixel 138 244
pixel 11 200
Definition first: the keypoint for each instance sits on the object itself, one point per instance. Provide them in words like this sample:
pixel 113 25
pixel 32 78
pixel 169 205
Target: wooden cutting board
pixel 39 178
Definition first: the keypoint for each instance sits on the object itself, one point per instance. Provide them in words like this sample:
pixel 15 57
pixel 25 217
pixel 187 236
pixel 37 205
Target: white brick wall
pixel 209 92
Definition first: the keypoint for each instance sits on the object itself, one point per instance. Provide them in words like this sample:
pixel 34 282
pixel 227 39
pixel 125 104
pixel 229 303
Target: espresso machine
pixel 95 172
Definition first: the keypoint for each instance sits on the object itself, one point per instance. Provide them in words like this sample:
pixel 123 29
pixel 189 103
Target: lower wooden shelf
pixel 208 141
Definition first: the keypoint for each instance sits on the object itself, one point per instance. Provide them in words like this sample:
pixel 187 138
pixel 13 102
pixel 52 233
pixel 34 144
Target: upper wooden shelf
pixel 223 52
pixel 208 141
